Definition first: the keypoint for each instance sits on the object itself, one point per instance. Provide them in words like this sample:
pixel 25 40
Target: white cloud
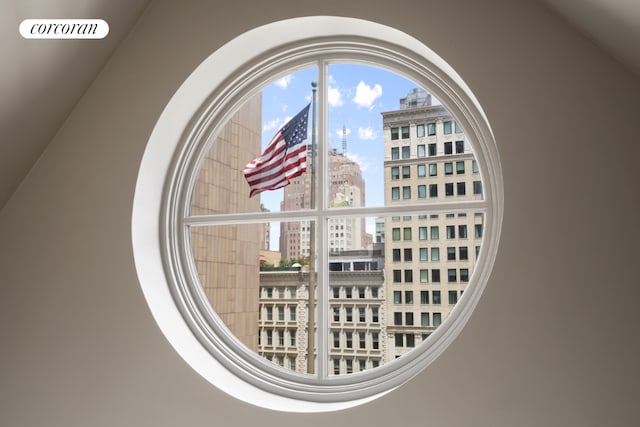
pixel 335 97
pixel 283 82
pixel 275 123
pixel 363 161
pixel 272 124
pixel 367 95
pixel 367 134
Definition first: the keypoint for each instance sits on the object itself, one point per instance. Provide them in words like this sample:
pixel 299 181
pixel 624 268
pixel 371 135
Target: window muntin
pixel 258 378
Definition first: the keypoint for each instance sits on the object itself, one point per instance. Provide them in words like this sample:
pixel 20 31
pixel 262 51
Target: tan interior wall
pixel 553 341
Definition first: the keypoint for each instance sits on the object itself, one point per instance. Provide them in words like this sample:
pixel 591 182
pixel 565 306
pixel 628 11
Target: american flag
pixel 284 158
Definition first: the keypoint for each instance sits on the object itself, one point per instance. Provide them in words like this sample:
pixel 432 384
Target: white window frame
pixel 205 101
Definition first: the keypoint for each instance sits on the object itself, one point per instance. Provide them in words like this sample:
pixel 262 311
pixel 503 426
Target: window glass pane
pixel 256 276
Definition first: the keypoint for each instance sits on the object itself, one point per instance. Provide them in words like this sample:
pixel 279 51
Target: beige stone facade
pixel 429 257
pixel 227 256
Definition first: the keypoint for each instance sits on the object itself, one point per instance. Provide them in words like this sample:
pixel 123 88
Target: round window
pixel 316 218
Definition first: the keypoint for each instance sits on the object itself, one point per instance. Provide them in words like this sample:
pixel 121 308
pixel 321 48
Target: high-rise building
pixel 429 257
pixel 346 188
pixel 227 257
pixel 357 337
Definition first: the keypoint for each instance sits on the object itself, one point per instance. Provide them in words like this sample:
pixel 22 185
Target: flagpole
pixel 311 325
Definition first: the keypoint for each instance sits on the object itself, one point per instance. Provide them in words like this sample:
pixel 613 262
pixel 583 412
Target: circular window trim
pixel 208 97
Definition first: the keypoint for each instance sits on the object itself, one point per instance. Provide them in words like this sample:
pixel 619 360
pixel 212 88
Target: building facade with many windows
pixel 430 257
pixel 357 338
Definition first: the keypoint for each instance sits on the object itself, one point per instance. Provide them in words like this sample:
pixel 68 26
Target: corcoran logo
pixel 64 29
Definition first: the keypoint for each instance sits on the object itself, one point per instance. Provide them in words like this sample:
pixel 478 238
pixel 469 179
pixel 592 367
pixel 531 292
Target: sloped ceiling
pixel 614 25
pixel 42 81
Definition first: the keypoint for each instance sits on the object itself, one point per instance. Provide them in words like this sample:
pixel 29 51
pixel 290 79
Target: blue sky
pixel 357 94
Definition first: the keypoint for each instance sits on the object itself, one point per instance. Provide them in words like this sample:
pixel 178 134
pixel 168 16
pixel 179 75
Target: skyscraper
pixel 429 257
pixel 346 188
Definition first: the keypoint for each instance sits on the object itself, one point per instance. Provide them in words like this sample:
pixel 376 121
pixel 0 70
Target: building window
pixel 422 191
pixel 395 233
pixel 408 297
pixel 446 127
pixel 451 231
pixel 435 297
pixel 462 231
pixel 448 148
pixel 395 173
pixel 458 129
pixel 374 315
pixel 336 292
pixel 406 172
pixel 460 168
pixel 408 254
pixel 395 193
pixel 405 132
pixel 336 313
pixel 424 276
pixel 463 253
pixel 435 254
pixel 398 340
pixel 451 275
pixel 406 153
pixel 451 253
pixel 292 314
pixel 433 169
pixel 461 188
pixel 411 339
pixel 459 147
pixel 397 318
pixel 422 233
pixel 477 187
pixel 362 315
pixel 421 150
pixel 435 275
pixel 437 319
pixel 424 297
pixel 408 276
pixel 420 130
pixel 478 228
pixel 394 133
pixel 464 275
pixel 433 190
pixel 406 231
pixel 397 297
pixel 349 313
pixel 395 153
pixel 431 129
pixel 448 189
pixel 408 318
pixel 422 171
pixel 397 276
pixel 432 149
pixel 406 192
pixel 435 232
pixel 424 319
pixel 448 168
